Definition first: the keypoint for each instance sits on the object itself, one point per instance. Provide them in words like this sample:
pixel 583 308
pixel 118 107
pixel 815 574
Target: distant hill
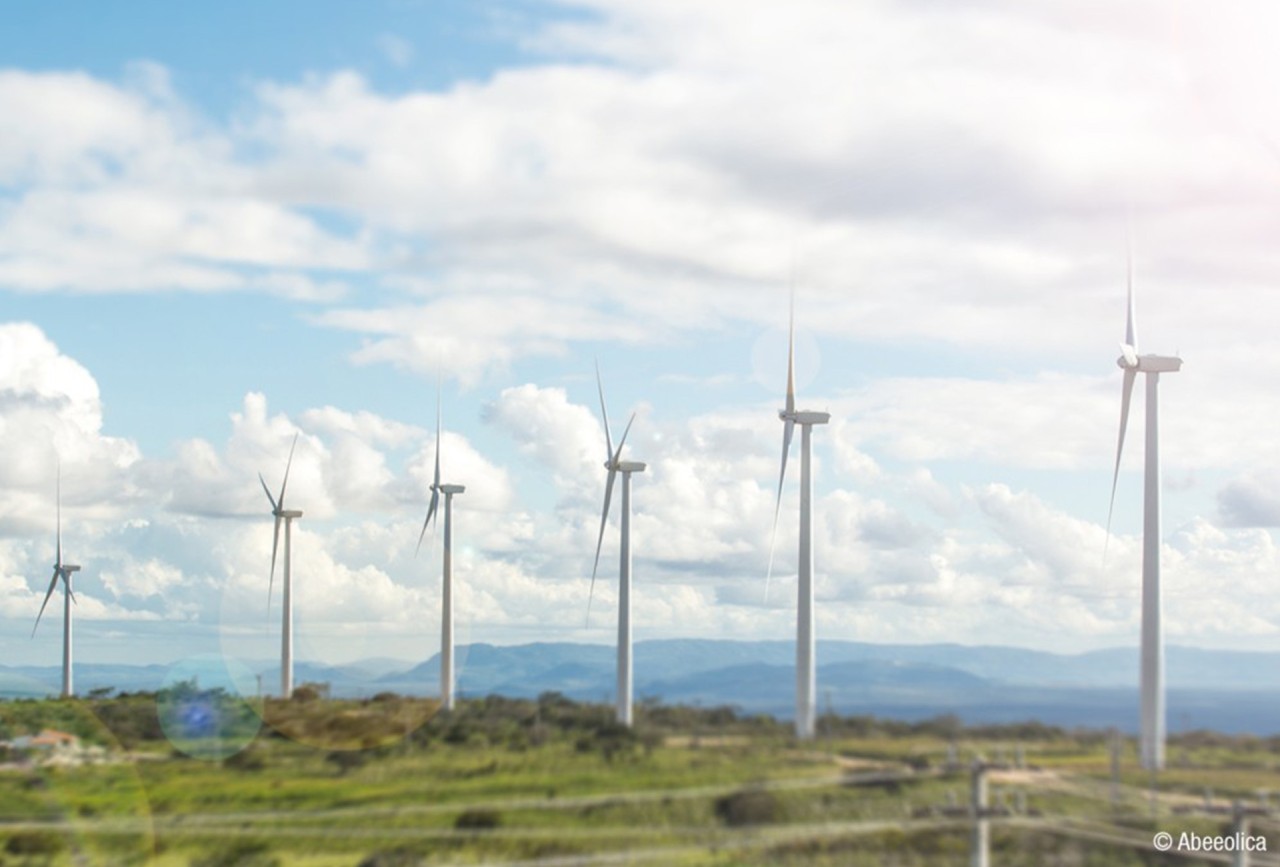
pixel 1229 691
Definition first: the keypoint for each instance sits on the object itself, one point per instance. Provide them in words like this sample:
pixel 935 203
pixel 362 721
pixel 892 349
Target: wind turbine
pixel 806 674
pixel 1151 743
pixel 446 602
pixel 286 626
pixel 614 464
pixel 63 571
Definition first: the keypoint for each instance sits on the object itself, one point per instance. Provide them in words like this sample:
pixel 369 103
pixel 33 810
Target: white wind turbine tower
pixel 446 601
pixel 286 627
pixel 1151 746
pixel 806 675
pixel 63 571
pixel 614 464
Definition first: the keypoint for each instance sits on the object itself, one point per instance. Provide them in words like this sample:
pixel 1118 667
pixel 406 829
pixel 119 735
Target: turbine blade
pixel 787 431
pixel 275 546
pixel 1130 325
pixel 791 355
pixel 58 511
pixel 431 513
pixel 436 477
pixel 608 440
pixel 270 499
pixel 52 584
pixel 1130 375
pixel 287 466
pixel 604 517
pixel 622 442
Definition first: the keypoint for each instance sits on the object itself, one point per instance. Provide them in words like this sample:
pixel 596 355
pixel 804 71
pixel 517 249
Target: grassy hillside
pixel 392 781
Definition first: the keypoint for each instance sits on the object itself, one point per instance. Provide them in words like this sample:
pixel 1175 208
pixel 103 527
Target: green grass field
pixel 394 782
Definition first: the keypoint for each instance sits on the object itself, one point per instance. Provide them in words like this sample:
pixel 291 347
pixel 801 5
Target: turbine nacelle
pixel 804 416
pixel 449 489
pixel 289 513
pixel 1151 363
pixel 67 568
pixel 625 466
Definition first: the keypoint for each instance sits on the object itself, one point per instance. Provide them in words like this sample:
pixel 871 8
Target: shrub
pixel 34 843
pixel 245 853
pixel 748 807
pixel 346 760
pixel 305 693
pixel 249 759
pixel 401 856
pixel 477 820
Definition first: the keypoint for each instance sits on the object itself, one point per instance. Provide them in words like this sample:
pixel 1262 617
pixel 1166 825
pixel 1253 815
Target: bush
pixel 401 856
pixel 246 853
pixel 248 759
pixel 477 820
pixel 34 843
pixel 458 733
pixel 346 760
pixel 748 807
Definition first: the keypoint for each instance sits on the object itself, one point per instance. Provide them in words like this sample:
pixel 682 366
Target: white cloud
pixel 652 181
pixel 564 437
pixel 971 186
pixel 51 417
pixel 141 579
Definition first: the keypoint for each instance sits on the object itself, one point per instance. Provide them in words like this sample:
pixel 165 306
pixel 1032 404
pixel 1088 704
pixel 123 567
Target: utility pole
pixel 1155 793
pixel 980 846
pixel 1240 829
pixel 1117 745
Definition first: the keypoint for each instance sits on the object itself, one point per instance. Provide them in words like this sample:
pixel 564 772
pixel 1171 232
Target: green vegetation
pixel 393 781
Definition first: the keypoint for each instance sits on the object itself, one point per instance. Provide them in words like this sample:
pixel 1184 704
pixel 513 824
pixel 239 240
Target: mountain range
pixel 1229 691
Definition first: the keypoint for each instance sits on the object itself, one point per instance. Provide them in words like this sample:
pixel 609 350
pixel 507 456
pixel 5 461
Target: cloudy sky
pixel 219 227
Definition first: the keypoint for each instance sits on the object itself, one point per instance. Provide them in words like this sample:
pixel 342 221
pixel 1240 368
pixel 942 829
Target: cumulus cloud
pixel 565 438
pixel 1251 501
pixel 51 418
pixel 958 209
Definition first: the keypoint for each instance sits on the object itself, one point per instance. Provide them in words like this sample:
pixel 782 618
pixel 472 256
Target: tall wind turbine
pixel 806 674
pixel 1151 746
pixel 446 602
pixel 63 571
pixel 286 626
pixel 614 464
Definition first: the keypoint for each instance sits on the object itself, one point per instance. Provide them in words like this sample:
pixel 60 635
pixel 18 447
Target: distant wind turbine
pixel 806 673
pixel 63 571
pixel 446 602
pixel 286 628
pixel 1152 737
pixel 614 464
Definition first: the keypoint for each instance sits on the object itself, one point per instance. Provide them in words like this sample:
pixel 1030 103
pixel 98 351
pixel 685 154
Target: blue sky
pixel 221 226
